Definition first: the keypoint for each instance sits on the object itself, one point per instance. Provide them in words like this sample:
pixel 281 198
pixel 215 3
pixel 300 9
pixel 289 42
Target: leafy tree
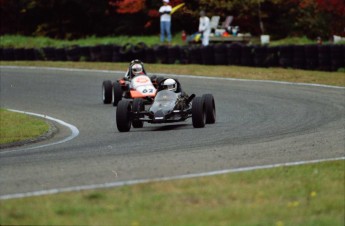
pixel 54 18
pixel 320 18
pixel 79 18
pixel 127 6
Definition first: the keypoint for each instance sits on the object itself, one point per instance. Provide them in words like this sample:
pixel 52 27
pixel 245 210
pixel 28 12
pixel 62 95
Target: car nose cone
pixel 159 115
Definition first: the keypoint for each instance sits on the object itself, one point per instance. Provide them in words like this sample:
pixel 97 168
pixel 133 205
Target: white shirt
pixel 165 17
pixel 204 24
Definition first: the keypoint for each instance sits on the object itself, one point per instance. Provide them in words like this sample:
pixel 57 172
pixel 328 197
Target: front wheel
pixel 210 108
pixel 138 106
pixel 198 112
pixel 117 91
pixel 123 118
pixel 107 95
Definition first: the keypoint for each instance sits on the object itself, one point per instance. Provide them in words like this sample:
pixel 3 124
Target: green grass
pixel 298 41
pixel 277 74
pixel 293 41
pixel 17 41
pixel 18 127
pixel 306 195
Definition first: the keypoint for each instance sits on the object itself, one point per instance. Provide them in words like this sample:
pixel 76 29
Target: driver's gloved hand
pixel 153 78
pixel 184 94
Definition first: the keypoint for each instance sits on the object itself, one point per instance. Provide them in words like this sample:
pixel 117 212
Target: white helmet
pixel 170 84
pixel 137 69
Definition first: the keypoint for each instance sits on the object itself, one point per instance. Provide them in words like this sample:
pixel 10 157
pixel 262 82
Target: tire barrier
pixel 161 53
pixel 126 52
pixel 60 54
pixel 195 55
pixel 150 56
pixel 173 54
pixel 337 57
pixel 139 51
pixel 116 54
pixel 77 53
pixel 19 54
pixel 324 54
pixel 234 54
pixel 184 55
pixel 106 54
pixel 343 47
pixel 247 53
pixel 285 56
pixel 207 53
pixel 95 53
pixel 307 57
pixel 7 54
pixel 220 54
pixel 30 54
pixel 49 53
pixel 311 57
pixel 273 56
pixel 260 56
pixel 298 59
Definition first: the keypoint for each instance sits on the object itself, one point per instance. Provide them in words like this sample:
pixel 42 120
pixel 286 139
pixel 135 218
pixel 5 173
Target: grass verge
pixel 305 195
pixel 19 41
pixel 16 127
pixel 277 74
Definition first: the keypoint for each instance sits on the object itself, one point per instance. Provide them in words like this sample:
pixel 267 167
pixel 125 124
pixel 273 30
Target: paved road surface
pixel 257 123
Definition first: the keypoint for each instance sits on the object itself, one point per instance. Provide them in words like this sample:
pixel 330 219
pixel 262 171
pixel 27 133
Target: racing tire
pixel 123 118
pixel 198 112
pixel 107 92
pixel 138 106
pixel 210 108
pixel 117 94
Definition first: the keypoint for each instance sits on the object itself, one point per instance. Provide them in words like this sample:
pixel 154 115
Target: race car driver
pixel 175 86
pixel 136 67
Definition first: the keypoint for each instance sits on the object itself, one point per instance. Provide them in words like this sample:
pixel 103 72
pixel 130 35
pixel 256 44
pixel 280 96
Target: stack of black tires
pixel 308 57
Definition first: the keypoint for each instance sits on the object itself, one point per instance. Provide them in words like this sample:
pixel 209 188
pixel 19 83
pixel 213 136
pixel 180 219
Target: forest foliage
pixel 71 19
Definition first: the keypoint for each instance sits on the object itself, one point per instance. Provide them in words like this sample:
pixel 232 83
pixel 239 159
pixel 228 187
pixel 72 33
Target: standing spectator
pixel 165 11
pixel 204 28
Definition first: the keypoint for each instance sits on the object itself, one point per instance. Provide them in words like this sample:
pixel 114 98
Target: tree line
pixel 72 19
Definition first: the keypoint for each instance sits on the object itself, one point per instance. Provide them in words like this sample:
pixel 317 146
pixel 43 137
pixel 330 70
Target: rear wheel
pixel 123 118
pixel 138 106
pixel 198 112
pixel 117 93
pixel 210 108
pixel 107 92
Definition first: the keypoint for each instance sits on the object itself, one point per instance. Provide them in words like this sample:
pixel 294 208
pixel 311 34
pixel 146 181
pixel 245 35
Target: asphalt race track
pixel 258 123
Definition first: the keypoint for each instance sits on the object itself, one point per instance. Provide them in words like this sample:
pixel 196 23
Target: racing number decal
pixel 148 91
pixel 143 85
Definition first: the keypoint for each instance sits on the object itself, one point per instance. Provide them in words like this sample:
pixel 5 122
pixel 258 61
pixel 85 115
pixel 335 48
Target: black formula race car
pixel 167 107
pixel 140 86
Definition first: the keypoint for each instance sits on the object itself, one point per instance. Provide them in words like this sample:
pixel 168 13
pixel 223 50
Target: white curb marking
pixel 74 130
pixel 133 182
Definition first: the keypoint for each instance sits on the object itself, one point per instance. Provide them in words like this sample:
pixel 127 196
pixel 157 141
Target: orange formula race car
pixel 140 86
